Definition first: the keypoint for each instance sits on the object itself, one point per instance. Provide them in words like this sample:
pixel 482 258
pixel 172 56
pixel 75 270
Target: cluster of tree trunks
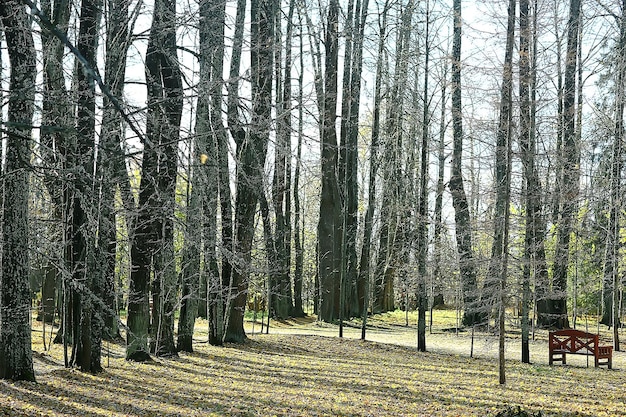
pixel 89 186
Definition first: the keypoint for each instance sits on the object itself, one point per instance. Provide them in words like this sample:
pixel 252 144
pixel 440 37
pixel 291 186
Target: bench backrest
pixel 574 341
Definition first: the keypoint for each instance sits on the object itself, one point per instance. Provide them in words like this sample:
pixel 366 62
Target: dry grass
pixel 303 369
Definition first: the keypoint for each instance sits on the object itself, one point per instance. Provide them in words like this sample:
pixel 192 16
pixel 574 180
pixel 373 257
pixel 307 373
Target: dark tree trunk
pixel 349 156
pixel 557 300
pixel 328 232
pixel 219 181
pixel 109 159
pixel 87 319
pixel 202 210
pixel 299 252
pixel 48 295
pixel 56 113
pixel 153 245
pixel 528 157
pixel 463 229
pixel 16 361
pixel 281 185
pixel 422 229
pixel 165 89
pixel 251 157
pixel 364 266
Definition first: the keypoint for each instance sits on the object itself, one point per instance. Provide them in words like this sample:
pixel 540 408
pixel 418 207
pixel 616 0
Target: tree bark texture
pixel 85 287
pixel 16 360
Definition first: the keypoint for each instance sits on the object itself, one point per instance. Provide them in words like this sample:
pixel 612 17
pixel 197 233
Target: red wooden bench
pixel 578 342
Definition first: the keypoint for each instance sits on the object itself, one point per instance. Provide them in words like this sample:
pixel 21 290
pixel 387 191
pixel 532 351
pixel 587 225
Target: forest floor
pixel 303 369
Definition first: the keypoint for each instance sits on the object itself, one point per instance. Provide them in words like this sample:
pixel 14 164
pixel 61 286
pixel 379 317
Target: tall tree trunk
pixel 499 250
pixel 392 245
pixel 217 283
pixel 611 263
pixel 328 232
pixel 557 316
pixel 87 317
pixel 463 229
pixel 153 245
pixel 527 148
pixel 56 112
pixel 350 145
pixel 202 211
pixel 439 227
pixel 167 94
pixel 298 231
pixel 16 360
pixel 422 230
pixel 251 158
pixel 365 262
pixel 110 157
pixel 281 185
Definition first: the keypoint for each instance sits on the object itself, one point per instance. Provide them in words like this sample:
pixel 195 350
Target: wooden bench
pixel 578 342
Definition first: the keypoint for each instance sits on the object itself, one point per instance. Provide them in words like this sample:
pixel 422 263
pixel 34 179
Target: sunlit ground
pixel 303 369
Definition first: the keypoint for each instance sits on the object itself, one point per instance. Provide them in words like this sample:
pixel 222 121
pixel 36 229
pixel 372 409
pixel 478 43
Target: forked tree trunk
pixel 251 158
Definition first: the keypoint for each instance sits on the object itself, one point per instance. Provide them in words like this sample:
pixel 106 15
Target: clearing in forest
pixel 302 369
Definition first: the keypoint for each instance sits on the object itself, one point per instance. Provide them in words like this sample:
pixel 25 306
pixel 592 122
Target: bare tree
pixel 365 261
pixel 459 199
pixel 498 267
pixel 251 152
